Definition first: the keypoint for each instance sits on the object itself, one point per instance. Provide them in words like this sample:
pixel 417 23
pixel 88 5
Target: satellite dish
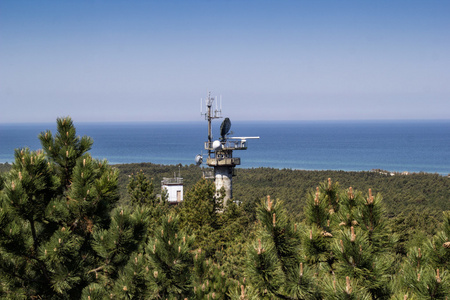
pixel 217 145
pixel 198 159
pixel 225 128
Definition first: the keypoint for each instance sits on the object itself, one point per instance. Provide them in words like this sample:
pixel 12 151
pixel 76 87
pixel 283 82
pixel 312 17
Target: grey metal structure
pixel 220 152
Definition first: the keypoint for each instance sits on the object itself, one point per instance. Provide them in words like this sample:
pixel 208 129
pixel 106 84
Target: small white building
pixel 174 189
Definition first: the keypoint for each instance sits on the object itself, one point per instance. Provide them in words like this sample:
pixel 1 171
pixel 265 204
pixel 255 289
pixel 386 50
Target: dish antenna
pixel 225 128
pixel 198 159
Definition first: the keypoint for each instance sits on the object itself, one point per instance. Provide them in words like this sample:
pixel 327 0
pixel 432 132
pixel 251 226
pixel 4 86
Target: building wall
pixel 175 192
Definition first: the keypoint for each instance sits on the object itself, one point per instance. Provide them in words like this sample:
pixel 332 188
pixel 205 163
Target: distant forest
pixel 422 195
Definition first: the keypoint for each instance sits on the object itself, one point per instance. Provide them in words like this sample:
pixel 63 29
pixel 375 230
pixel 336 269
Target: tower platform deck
pixel 226 161
pixel 228 145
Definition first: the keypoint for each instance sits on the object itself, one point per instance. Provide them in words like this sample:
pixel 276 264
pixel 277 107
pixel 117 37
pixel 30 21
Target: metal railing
pixel 228 145
pixel 176 180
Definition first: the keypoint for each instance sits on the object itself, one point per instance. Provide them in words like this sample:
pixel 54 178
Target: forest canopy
pixel 74 227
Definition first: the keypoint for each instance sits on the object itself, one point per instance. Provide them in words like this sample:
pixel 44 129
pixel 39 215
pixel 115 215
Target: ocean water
pixel 413 146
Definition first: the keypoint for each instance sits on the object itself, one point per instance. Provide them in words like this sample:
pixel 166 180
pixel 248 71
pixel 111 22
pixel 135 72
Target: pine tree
pixel 201 213
pixel 141 190
pixel 274 266
pixel 438 248
pixel 54 204
pixel 425 272
pixel 356 258
pixel 2 183
pixel 362 247
pixel 141 193
pixel 320 211
pixel 370 219
pixel 64 149
pixel 235 234
pixel 29 188
pixel 337 288
pixel 120 251
pixel 209 280
pixel 170 261
pixel 349 203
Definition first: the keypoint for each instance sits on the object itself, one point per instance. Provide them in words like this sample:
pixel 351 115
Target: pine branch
pixel 33 233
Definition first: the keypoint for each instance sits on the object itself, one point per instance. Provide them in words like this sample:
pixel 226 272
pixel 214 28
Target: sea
pixel 394 146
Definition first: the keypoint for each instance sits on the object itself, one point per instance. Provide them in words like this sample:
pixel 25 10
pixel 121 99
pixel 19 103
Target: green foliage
pixel 141 190
pixel 425 271
pixel 30 185
pixel 62 235
pixel 4 168
pixel 344 288
pixel 53 208
pixel 200 212
pixel 425 283
pixel 341 252
pixel 320 215
pixel 222 235
pixel 141 193
pixel 65 148
pixel 350 202
pixel 411 229
pixel 357 258
pixel 280 231
pixel 438 247
pixel 274 266
pixel 201 205
pixel 417 197
pixel 191 175
pixel 122 270
pixel 370 219
pixel 415 193
pixel 209 278
pixel 318 211
pixel 170 260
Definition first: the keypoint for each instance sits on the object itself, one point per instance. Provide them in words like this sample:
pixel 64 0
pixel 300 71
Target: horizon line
pixel 239 120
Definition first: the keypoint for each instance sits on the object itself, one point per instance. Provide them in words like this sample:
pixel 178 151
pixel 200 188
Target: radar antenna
pixel 224 129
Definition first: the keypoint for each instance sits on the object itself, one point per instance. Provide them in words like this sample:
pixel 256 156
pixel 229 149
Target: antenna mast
pixel 209 116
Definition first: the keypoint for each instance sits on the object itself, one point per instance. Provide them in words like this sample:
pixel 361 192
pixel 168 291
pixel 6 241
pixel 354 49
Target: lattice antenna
pixel 211 114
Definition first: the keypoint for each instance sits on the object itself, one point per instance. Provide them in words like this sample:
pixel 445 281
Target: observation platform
pixel 223 161
pixel 228 145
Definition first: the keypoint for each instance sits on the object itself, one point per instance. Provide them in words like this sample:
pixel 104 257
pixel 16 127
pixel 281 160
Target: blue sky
pixel 270 60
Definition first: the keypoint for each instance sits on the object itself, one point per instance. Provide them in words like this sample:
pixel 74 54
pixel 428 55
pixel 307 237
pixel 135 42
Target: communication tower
pixel 220 152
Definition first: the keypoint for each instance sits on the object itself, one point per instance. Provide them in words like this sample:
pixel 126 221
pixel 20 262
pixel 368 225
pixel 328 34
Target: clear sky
pixel 270 60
